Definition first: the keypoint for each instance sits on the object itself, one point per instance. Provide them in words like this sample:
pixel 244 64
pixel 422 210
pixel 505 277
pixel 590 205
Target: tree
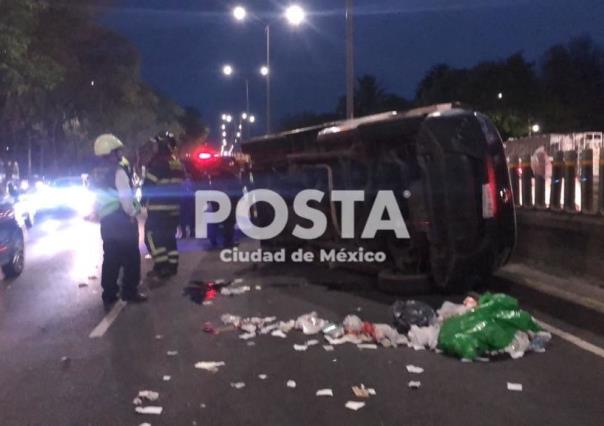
pixel 371 98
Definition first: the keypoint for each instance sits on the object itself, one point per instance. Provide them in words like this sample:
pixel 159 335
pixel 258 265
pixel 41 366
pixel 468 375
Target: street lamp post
pixel 349 61
pixel 296 16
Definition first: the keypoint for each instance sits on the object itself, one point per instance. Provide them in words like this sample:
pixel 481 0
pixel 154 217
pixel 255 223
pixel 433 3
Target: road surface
pixel 53 373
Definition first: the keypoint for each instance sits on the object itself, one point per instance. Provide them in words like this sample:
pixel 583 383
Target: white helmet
pixel 106 144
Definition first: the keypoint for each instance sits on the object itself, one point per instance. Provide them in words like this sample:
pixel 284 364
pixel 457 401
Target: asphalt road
pixel 45 315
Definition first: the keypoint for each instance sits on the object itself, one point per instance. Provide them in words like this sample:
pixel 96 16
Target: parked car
pixel 12 243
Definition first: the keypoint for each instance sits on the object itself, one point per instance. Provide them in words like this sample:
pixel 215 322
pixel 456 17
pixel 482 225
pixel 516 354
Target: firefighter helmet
pixel 106 144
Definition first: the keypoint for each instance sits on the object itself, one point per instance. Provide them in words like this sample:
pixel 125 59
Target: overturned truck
pixel 445 165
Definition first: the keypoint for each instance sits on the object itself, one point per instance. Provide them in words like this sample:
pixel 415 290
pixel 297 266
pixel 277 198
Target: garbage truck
pixel 447 168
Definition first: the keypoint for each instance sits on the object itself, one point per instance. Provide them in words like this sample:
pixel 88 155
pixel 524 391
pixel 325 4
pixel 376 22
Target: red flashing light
pixel 204 156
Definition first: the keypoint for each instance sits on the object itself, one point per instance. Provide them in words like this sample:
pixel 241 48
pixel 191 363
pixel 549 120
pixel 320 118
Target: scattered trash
pixel 235 281
pixel 211 366
pixel 137 401
pixel 145 424
pixel 354 405
pixel 312 342
pixel 328 348
pixel 209 328
pixel 251 343
pixel 149 410
pixel 159 337
pixel 167 378
pixel 515 387
pixel 262 376
pixel 238 385
pixel 539 340
pixel 300 348
pixel 148 395
pixel 367 346
pixel 411 312
pixel 82 285
pixel 423 337
pixel 324 392
pixel 247 336
pixel 360 391
pixel 207 303
pixel 490 326
pixel 291 384
pixel 310 323
pixel 353 324
pixel 278 333
pixel 229 319
pixel 202 405
pixel 235 291
pixel 414 384
pixel 172 353
pixel 258 287
pixel 414 369
pixel 519 345
pixel 449 309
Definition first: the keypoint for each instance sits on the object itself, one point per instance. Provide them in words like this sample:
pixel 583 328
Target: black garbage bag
pixel 411 312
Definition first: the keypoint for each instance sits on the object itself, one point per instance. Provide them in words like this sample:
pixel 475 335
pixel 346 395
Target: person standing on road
pixel 117 210
pixel 162 193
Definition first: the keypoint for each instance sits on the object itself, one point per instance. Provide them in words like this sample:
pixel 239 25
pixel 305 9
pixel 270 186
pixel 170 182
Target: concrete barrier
pixel 562 241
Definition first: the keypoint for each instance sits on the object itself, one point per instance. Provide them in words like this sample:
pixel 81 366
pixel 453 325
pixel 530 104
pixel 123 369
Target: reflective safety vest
pixel 106 193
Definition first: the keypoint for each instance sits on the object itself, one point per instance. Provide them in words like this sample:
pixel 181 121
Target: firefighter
pixel 162 192
pixel 117 210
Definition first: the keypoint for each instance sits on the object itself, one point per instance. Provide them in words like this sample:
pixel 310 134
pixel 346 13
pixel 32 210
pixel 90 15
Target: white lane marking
pixel 103 326
pixel 571 338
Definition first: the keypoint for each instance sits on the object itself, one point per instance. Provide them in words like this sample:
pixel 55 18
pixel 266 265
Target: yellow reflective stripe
pixel 160 259
pixel 162 207
pixel 152 177
pixel 173 261
pixel 151 242
pixel 173 253
pixel 169 181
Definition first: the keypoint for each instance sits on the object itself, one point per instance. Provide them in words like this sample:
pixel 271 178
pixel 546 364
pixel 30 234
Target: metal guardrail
pixel 571 188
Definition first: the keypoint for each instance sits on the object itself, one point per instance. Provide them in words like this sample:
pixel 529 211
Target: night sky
pixel 184 44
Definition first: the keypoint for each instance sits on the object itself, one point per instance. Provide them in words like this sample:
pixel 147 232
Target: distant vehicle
pixel 66 194
pixel 447 168
pixel 12 252
pixel 23 203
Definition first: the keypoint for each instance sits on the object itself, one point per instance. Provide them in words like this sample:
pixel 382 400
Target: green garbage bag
pixel 490 326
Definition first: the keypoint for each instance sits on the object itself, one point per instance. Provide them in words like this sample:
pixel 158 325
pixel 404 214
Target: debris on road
pixel 291 384
pixel 167 378
pixel 211 366
pixel 237 291
pixel 411 312
pixel 414 384
pixel 310 323
pixel 328 348
pixel 262 376
pixel 145 424
pixel 251 343
pixel 159 337
pixel 414 369
pixel 148 395
pixel 278 333
pixel 149 410
pixel 423 337
pixel 312 342
pixel 238 385
pixel 65 362
pixel 515 387
pixel 367 346
pixel 324 392
pixel 488 328
pixel 354 405
pixel 363 392
pixel 300 348
pixel 172 353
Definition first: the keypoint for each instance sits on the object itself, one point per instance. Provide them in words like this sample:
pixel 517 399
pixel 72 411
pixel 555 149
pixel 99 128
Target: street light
pixel 252 119
pixel 295 15
pixel 244 115
pixel 500 96
pixel 227 70
pixel 535 128
pixel 240 13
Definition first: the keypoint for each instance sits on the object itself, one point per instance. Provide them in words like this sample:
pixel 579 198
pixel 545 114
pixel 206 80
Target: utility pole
pixel 349 61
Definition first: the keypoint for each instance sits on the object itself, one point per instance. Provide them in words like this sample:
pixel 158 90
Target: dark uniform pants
pixel 160 238
pixel 120 250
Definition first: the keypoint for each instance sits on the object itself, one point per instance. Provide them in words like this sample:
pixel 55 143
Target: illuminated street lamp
pixel 227 70
pixel 295 15
pixel 535 128
pixel 244 115
pixel 500 96
pixel 240 13
pixel 252 119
